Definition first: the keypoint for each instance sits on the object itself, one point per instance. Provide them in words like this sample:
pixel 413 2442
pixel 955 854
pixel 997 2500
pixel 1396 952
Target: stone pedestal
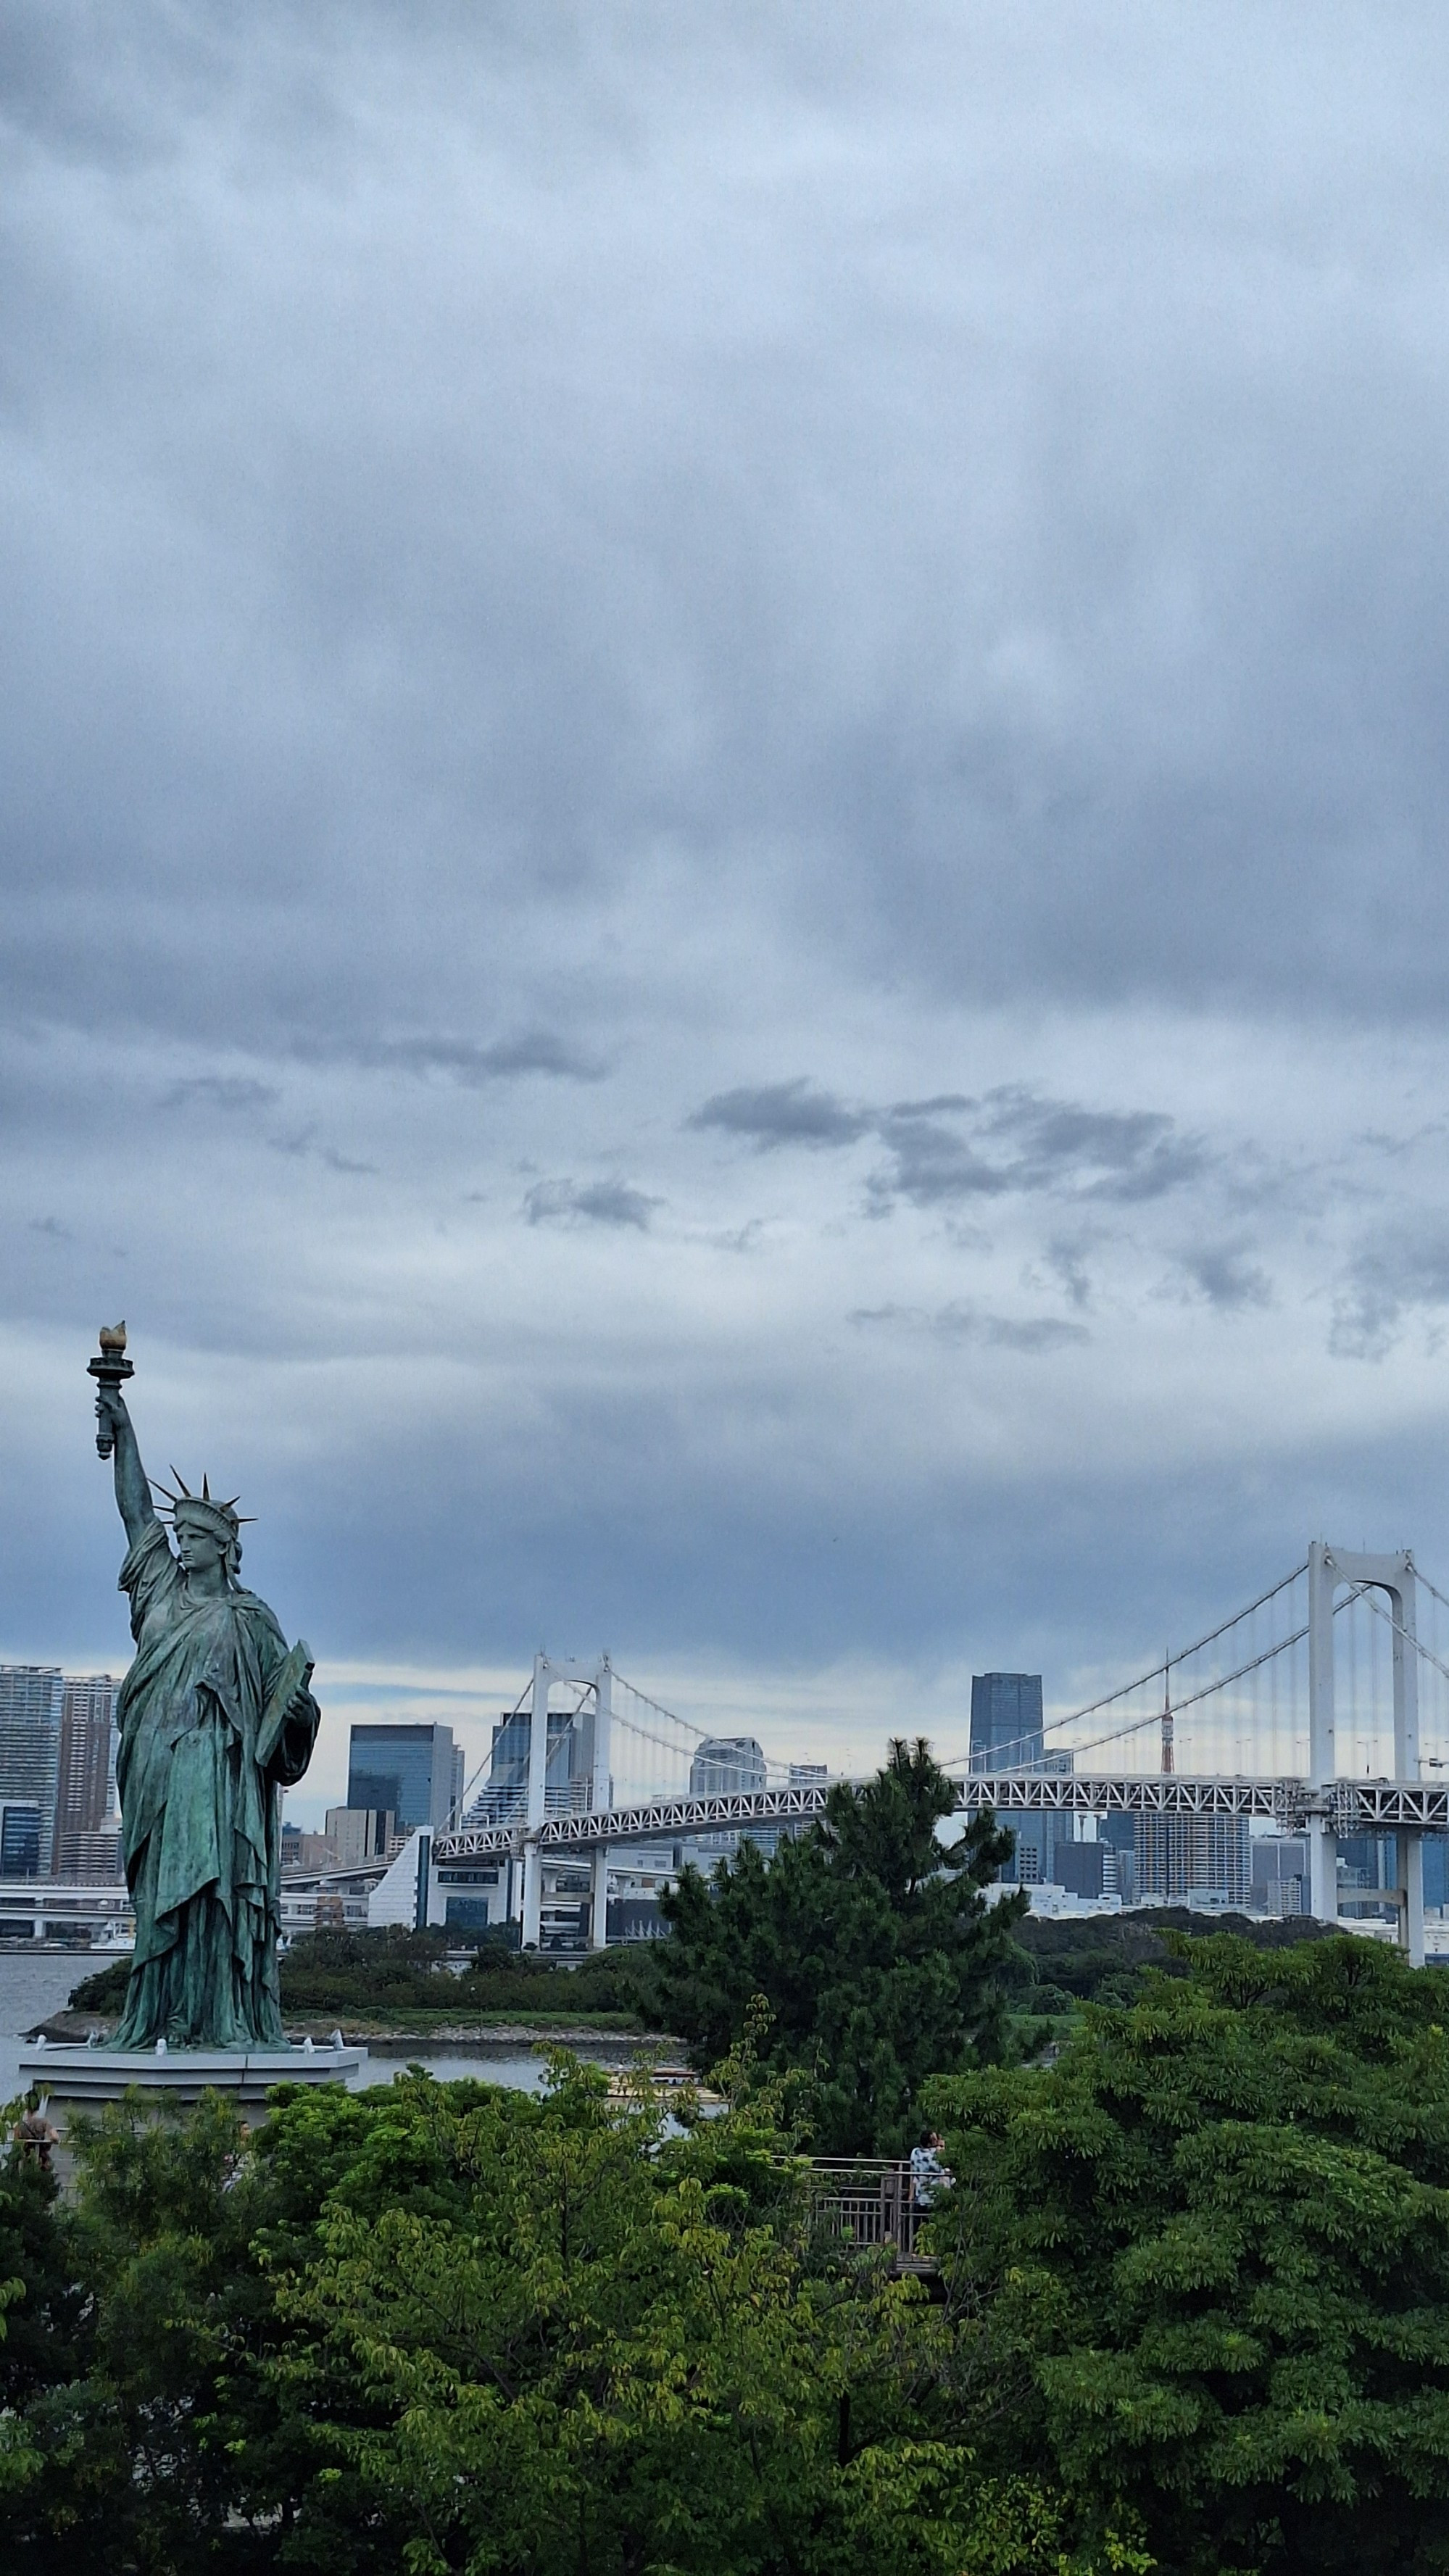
pixel 81 2079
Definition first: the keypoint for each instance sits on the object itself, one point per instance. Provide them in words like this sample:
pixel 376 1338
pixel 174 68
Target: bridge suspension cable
pixel 685 1724
pixel 1421 1577
pixel 1398 1627
pixel 1254 1663
pixel 1026 1750
pixel 483 1769
pixel 1184 1655
pixel 1220 1681
pixel 646 1735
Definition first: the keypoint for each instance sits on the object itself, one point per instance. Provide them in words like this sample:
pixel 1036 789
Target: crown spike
pixel 170 1504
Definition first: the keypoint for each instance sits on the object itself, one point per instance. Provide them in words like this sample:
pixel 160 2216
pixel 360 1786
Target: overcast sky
pixel 722 770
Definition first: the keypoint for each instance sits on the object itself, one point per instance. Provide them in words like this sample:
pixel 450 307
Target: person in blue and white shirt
pixel 929 2177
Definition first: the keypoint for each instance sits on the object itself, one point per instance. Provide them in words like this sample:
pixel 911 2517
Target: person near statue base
pixel 215 1719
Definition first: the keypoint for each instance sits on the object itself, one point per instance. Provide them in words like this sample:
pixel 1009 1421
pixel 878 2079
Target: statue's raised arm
pixel 215 1718
pixel 133 1491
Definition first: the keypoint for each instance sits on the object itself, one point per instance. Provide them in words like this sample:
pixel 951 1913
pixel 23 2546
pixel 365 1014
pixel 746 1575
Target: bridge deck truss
pixel 1351 1806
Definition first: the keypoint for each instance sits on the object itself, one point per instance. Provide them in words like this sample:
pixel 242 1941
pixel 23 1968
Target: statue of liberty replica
pixel 215 1720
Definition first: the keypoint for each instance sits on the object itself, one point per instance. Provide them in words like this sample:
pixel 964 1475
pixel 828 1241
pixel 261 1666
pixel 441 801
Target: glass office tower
pixel 1007 1735
pixel 410 1771
pixel 31 1699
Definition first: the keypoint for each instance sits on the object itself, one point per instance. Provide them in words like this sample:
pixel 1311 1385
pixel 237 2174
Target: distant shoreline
pixel 481 2031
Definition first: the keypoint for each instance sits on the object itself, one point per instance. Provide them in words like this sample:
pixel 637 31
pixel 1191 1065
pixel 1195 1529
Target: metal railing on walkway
pixel 865 2204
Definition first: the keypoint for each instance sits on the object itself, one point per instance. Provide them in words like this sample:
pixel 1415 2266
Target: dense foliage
pixel 1051 1969
pixel 398 1972
pixel 445 2328
pixel 1195 2318
pixel 1070 1960
pixel 873 1946
pixel 1210 2252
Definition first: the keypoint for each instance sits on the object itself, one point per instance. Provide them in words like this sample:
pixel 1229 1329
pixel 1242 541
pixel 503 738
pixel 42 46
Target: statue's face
pixel 198 1547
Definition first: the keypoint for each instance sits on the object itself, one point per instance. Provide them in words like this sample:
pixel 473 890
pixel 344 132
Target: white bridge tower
pixel 1330 1571
pixel 600 1680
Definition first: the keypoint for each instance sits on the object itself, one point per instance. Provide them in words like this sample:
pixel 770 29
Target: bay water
pixel 36 1982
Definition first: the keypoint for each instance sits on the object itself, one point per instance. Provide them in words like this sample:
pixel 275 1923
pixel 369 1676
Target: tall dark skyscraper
pixel 1007 1735
pixel 412 1771
pixel 1006 1721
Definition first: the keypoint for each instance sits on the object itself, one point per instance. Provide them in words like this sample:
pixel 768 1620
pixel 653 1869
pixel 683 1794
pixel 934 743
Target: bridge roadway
pixel 41 1908
pixel 1345 1806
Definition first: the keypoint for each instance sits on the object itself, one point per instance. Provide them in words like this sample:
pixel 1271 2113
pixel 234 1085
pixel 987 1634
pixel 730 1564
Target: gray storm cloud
pixel 721 797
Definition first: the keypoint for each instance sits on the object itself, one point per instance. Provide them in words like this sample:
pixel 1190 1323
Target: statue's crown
pixel 224 1518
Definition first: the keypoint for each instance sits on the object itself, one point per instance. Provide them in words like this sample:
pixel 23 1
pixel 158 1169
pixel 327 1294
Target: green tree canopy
pixel 1211 2252
pixel 870 1941
pixel 447 2330
pixel 394 1972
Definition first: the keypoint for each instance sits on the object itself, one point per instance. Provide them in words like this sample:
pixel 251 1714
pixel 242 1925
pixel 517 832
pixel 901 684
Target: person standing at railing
pixel 929 2177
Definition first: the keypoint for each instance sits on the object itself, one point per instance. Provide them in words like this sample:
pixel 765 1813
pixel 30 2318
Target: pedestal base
pixel 80 2079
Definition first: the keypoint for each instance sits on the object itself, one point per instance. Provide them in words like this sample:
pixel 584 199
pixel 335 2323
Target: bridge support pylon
pixel 601 1797
pixel 1330 1570
pixel 539 1801
pixel 599 1899
pixel 1410 1849
pixel 532 1862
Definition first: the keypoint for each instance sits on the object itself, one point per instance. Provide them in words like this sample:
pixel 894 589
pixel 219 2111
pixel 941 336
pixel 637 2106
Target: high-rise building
pixel 1094 1869
pixel 1119 1870
pixel 86 1775
pixel 31 1697
pixel 100 1853
pixel 1279 1867
pixel 1179 1856
pixel 19 1838
pixel 724 1766
pixel 1006 1722
pixel 356 1834
pixel 1007 1735
pixel 408 1770
pixel 1081 1868
pixel 568 1766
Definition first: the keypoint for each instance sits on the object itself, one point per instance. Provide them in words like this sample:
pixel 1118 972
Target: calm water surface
pixel 34 1984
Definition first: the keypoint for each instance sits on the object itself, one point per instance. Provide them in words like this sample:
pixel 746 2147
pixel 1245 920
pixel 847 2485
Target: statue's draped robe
pixel 201 1818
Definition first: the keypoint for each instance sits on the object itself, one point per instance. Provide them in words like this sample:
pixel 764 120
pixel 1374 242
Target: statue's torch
pixel 112 1368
